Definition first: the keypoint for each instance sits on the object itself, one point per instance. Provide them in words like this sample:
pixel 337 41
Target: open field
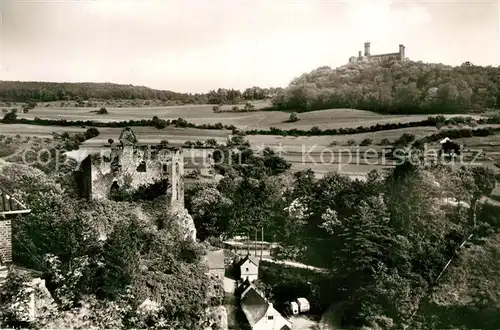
pixel 203 114
pixel 145 134
pixel 323 154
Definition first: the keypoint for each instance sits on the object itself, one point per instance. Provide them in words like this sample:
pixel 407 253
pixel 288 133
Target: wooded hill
pixel 394 87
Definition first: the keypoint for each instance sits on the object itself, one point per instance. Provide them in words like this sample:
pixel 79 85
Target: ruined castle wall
pixel 6 239
pixel 127 175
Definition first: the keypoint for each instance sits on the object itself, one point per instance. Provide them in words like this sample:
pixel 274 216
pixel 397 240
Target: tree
pixel 91 133
pixel 293 117
pixel 10 117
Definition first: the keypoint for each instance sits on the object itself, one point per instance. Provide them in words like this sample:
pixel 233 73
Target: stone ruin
pixel 103 171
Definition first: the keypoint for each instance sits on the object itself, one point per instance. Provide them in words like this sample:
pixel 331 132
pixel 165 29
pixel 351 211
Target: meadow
pixel 323 154
pixel 203 114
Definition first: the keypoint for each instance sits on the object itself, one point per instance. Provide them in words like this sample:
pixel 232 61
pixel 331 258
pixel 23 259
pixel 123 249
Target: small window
pixel 247 269
pixel 270 318
pixel 141 167
pixel 164 168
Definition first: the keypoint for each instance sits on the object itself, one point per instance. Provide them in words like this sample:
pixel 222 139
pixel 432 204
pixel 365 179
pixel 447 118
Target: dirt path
pixel 294 264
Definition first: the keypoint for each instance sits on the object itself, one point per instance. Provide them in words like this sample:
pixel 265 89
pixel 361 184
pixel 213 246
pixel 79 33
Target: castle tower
pixel 402 51
pixel 176 192
pixel 367 49
pixel 360 55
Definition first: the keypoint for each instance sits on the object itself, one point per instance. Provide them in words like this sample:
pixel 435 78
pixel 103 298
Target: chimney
pixel 367 49
pixel 402 51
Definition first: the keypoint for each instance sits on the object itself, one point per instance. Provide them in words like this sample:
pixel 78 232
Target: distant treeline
pixel 32 91
pixel 394 87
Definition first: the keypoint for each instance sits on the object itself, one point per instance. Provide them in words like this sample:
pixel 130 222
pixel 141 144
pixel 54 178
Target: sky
pixel 198 45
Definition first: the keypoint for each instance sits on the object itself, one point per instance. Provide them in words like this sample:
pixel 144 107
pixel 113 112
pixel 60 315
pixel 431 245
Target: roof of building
pixel 253 260
pixel 446 139
pixel 254 305
pixel 215 259
pixel 303 301
pixel 10 205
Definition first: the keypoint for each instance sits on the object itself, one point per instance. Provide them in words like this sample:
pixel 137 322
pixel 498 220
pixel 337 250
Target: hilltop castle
pixel 400 56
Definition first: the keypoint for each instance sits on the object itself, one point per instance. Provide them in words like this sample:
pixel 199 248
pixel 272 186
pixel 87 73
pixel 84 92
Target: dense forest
pixel 394 87
pixel 18 91
pixel 385 241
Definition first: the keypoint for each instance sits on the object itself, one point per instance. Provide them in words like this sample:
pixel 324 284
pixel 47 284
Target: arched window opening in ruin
pixel 164 168
pixel 177 169
pixel 114 188
pixel 115 163
pixel 142 167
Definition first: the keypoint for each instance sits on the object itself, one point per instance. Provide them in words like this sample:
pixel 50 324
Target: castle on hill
pixel 399 56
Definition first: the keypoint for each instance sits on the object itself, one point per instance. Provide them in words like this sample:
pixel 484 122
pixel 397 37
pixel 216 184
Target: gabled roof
pixel 248 257
pixel 10 205
pixel 445 140
pixel 215 259
pixel 254 305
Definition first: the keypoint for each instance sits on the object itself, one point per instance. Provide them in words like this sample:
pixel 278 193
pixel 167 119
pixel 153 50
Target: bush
pixel 91 133
pixel 111 141
pixel 249 106
pixel 366 142
pixel 385 142
pixel 10 117
pixel 215 108
pixel 164 144
pixel 102 111
pixel 293 117
pixel 351 142
pixel 235 108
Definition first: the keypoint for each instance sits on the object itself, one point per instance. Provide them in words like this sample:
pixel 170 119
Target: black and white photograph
pixel 250 164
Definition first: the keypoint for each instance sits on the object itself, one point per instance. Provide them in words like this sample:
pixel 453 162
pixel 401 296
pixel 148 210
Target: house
pixel 215 263
pixel 248 268
pixel 261 314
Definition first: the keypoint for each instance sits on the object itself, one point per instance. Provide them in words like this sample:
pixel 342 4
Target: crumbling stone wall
pixel 131 167
pixel 5 239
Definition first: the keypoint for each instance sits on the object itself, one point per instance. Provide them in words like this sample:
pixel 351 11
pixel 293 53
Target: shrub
pixel 111 141
pixel 164 144
pixel 249 106
pixel 351 142
pixel 159 123
pixel 385 142
pixel 315 130
pixel 366 142
pixel 91 133
pixel 211 143
pixel 404 140
pixel 215 108
pixel 235 108
pixel 293 117
pixel 10 117
pixel 102 111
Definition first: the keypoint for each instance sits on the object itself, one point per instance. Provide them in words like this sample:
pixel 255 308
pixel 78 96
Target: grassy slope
pixel 203 114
